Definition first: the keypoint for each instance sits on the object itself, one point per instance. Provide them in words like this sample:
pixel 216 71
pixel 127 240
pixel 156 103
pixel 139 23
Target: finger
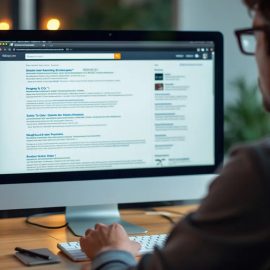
pixel 119 228
pixel 136 244
pixel 100 225
pixel 82 243
pixel 88 231
pixel 136 247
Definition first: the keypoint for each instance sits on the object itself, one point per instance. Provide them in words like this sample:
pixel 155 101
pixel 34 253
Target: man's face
pixel 263 61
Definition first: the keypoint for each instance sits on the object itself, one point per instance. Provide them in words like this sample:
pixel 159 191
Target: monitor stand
pixel 80 218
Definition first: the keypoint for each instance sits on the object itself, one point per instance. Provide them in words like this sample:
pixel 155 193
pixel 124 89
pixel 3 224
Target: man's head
pixel 261 5
pixel 261 18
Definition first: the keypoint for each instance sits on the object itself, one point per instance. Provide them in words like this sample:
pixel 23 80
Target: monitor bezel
pixel 85 35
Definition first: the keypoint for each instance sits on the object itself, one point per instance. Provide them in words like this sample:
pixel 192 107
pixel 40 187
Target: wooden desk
pixel 15 232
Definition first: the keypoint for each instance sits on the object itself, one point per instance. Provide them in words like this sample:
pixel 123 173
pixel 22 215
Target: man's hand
pixel 104 238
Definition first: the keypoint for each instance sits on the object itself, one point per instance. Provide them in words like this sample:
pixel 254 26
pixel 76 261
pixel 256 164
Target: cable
pixel 157 212
pixel 175 212
pixel 168 218
pixel 164 214
pixel 27 220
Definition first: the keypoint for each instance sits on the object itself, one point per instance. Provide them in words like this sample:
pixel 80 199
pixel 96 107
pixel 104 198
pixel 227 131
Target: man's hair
pixel 263 6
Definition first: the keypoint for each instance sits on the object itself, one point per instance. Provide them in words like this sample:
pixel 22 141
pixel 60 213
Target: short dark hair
pixel 263 6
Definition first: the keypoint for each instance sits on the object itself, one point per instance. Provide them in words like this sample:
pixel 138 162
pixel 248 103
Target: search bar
pixel 72 56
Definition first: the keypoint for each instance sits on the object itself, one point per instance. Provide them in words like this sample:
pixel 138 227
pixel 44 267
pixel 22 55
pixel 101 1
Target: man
pixel 231 228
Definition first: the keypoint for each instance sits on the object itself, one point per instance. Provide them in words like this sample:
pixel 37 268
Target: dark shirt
pixel 230 230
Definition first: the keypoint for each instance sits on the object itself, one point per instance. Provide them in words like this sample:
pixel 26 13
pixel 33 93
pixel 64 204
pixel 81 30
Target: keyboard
pixel 148 242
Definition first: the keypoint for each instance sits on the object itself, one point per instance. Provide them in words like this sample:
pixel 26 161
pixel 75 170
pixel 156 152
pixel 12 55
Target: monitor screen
pixel 88 106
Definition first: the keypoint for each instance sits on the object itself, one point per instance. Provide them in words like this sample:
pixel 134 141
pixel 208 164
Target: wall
pixel 224 16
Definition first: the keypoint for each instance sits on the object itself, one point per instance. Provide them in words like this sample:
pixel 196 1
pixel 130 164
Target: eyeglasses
pixel 247 38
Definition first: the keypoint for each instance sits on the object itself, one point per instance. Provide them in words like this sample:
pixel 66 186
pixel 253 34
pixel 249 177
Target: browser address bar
pixel 72 56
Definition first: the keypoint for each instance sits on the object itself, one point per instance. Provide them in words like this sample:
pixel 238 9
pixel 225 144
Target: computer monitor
pixel 91 119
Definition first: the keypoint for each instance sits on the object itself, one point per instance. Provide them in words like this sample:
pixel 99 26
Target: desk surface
pixel 15 232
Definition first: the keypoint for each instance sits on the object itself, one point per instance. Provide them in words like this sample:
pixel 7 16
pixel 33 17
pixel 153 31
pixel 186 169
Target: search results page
pixel 105 110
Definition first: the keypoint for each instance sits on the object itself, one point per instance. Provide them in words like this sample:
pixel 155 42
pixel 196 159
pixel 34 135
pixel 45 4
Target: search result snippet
pixel 94 115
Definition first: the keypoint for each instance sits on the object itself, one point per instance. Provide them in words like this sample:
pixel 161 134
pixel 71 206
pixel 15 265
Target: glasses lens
pixel 248 42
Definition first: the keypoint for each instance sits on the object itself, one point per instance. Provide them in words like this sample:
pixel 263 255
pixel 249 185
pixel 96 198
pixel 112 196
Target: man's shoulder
pixel 258 153
pixel 263 144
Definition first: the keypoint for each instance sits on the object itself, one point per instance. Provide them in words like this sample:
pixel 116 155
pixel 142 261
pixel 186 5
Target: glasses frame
pixel 251 31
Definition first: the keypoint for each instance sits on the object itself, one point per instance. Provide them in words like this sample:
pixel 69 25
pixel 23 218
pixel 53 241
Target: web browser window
pixel 79 106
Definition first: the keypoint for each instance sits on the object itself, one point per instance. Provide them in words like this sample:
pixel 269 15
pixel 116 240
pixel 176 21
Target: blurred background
pixel 245 119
